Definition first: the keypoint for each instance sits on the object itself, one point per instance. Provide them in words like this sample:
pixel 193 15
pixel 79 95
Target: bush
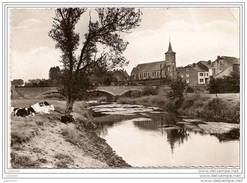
pixel 149 90
pixel 218 110
pixel 189 90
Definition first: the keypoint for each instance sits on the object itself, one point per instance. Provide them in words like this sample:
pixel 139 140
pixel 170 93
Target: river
pixel 144 141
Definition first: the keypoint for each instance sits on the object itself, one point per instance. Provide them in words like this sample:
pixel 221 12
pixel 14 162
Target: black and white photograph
pixel 132 87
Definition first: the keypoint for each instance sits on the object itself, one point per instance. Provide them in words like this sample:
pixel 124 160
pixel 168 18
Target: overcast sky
pixel 195 33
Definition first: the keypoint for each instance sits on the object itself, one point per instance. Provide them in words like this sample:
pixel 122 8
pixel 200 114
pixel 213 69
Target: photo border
pixel 134 172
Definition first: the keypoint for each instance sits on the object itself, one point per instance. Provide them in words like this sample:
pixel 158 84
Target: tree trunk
pixel 69 106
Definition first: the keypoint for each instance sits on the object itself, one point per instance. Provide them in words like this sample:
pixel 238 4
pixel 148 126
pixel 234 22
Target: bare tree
pixel 104 30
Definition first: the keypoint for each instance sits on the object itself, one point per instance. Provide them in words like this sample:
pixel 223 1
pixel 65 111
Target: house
pixel 198 74
pixel 224 66
pixel 195 74
pixel 165 69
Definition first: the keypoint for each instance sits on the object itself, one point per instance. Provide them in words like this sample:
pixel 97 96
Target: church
pixel 165 69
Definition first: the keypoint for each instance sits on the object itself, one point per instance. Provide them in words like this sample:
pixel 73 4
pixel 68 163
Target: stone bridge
pixel 117 90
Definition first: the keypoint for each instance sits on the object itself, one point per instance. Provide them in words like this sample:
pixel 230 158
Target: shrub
pixel 149 90
pixel 189 90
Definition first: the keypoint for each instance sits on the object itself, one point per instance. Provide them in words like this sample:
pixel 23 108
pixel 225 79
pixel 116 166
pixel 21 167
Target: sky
pixel 195 34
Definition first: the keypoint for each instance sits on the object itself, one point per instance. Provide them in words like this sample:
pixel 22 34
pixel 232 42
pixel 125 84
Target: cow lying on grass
pixel 40 107
pixel 23 112
pixel 43 107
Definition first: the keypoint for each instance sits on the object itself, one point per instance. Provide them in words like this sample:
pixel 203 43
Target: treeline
pixel 97 76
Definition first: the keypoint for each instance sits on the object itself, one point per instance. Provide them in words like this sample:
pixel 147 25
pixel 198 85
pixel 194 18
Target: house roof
pixel 205 63
pixel 228 60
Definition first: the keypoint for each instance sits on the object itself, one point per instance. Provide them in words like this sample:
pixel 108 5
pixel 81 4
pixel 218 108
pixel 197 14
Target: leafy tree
pixel 17 82
pixel 176 94
pixel 101 44
pixel 227 84
pixel 214 85
pixel 54 73
pixel 177 88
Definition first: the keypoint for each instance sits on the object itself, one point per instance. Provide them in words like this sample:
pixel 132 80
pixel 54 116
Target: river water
pixel 143 142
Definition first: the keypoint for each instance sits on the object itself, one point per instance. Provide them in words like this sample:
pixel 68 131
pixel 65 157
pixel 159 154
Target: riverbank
pixel 205 106
pixel 43 141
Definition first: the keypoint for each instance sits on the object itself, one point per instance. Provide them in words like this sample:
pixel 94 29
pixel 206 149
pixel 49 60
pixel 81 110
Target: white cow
pixel 43 107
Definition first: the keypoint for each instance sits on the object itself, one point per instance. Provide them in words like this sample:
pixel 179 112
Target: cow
pixel 23 112
pixel 43 107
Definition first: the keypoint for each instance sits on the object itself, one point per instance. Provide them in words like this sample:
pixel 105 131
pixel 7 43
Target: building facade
pixel 165 69
pixel 198 74
pixel 194 74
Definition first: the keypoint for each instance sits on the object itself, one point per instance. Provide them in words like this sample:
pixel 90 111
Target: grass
pixel 71 135
pixel 22 130
pixel 210 109
pixel 158 98
pixel 63 160
pixel 33 92
pixel 21 161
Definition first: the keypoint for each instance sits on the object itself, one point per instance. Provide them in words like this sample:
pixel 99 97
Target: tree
pixel 17 82
pixel 101 44
pixel 176 94
pixel 54 73
pixel 214 85
pixel 177 88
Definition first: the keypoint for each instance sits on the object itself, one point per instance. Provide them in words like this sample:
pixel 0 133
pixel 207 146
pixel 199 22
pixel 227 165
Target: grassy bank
pixel 43 141
pixel 157 98
pixel 211 109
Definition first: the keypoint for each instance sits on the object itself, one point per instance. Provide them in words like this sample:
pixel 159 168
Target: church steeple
pixel 170 62
pixel 170 47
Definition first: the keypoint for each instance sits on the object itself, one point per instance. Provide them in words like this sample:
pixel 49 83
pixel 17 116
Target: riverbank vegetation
pixel 205 106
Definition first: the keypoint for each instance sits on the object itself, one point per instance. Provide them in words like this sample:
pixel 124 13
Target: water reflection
pixel 158 141
pixel 173 134
pixel 176 136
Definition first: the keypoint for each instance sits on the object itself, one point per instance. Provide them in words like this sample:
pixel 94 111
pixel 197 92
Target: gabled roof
pixel 147 67
pixel 205 63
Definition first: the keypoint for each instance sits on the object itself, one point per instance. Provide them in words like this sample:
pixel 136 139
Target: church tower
pixel 170 63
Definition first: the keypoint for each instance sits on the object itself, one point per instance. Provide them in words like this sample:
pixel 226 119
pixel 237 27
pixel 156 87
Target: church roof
pixel 147 67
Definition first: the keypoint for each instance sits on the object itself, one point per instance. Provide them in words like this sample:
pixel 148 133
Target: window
pixel 187 75
pixel 206 74
pixel 201 80
pixel 201 74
